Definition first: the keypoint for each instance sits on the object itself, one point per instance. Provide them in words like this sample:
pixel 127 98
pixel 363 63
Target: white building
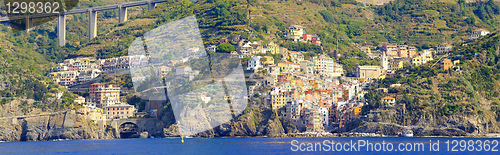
pixel 384 61
pixel 477 33
pixel 444 48
pixel 389 99
pixel 324 65
pixel 181 70
pixel 88 74
pixel 294 32
pixel 337 70
pixel 427 55
pixel 254 63
pixel 307 67
pixel 59 94
pixel 80 100
pixel 212 48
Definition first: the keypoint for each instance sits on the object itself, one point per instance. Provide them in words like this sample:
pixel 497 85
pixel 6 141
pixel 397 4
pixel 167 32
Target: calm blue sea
pixel 341 145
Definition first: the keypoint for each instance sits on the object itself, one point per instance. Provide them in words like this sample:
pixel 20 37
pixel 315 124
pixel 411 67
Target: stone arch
pixel 129 130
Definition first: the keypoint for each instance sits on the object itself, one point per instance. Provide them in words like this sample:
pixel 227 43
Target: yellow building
pixel 288 66
pixel 280 99
pixel 365 49
pixel 368 72
pixel 284 67
pixel 295 56
pixel 273 48
pixel 396 65
pixel 356 111
pixel 417 60
pixel 267 60
pixel 96 115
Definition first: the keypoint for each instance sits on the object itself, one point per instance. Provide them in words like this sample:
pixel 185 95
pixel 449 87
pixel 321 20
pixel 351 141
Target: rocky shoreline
pixel 255 123
pixel 64 126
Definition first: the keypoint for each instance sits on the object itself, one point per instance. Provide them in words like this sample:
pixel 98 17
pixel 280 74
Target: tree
pixel 225 48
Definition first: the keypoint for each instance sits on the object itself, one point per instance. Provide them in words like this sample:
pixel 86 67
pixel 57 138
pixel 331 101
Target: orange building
pixel 446 64
pixel 356 112
pixel 390 49
pixel 162 71
pixel 119 110
pixel 104 96
pixel 412 51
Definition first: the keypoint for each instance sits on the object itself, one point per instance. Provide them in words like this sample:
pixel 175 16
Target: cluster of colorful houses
pixel 77 70
pixel 309 93
pixel 394 57
pixel 314 94
pixel 104 103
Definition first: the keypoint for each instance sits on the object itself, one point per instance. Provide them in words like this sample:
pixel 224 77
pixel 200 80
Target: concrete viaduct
pixel 61 19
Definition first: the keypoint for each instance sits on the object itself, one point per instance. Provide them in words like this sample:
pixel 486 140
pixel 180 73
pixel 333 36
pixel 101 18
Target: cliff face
pixel 254 122
pixel 63 125
pixel 453 125
pixel 45 126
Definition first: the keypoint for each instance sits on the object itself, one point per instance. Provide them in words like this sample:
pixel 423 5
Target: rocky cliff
pixel 253 122
pixel 66 126
pixel 40 126
pixel 453 125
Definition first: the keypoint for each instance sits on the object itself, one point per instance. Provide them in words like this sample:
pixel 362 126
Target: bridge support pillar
pixel 92 24
pixel 29 24
pixel 151 5
pixel 122 14
pixel 61 29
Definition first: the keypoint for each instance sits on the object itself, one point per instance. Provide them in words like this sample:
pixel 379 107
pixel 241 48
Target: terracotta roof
pixel 163 67
pixel 120 105
pixel 291 63
pixel 388 97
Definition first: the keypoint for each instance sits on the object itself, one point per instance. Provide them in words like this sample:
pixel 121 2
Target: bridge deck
pixel 85 10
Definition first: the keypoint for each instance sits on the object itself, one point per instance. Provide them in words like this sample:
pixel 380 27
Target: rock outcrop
pixel 65 126
pixel 254 122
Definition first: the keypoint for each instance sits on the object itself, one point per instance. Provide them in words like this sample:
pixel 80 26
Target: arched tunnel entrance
pixel 129 130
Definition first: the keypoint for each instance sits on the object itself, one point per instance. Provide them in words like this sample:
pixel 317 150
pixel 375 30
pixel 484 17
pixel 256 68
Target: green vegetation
pixel 27 57
pixel 225 48
pixel 431 92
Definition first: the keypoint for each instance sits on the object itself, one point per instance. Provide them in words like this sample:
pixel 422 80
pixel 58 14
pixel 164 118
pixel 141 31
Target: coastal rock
pixel 144 135
pixel 59 126
pixel 171 131
pixel 274 128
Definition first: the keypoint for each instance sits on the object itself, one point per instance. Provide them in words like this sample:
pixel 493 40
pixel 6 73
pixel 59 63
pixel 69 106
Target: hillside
pixel 421 23
pixel 428 93
pixel 466 101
